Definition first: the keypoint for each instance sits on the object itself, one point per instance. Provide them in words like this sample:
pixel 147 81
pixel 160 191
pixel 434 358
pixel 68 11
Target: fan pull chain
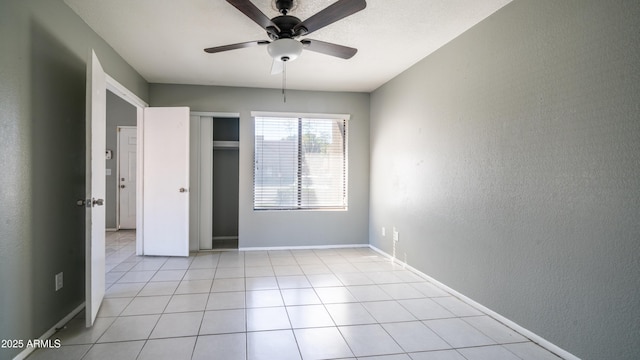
pixel 284 81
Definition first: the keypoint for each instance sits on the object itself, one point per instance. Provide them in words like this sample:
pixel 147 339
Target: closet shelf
pixel 217 144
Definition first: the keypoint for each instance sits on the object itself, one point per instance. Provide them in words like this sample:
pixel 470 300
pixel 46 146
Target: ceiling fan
pixel 284 30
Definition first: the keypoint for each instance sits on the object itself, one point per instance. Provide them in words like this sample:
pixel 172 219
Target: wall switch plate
pixel 396 235
pixel 58 281
pixel 384 231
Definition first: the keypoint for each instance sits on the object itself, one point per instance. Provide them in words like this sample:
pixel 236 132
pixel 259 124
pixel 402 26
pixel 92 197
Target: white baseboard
pixel 28 350
pixel 310 247
pixel 111 229
pixel 527 333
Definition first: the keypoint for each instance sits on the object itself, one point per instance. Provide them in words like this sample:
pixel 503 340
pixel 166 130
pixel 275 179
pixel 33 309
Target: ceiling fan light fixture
pixel 285 49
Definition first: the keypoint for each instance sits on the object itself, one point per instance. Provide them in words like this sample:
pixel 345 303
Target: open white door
pixel 96 187
pixel 166 181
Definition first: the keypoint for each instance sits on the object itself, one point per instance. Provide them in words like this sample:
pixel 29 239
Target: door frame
pixel 118 128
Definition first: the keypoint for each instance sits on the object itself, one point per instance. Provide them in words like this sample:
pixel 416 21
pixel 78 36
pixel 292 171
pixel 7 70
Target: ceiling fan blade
pixel 334 12
pixel 326 48
pixel 218 49
pixel 277 67
pixel 253 13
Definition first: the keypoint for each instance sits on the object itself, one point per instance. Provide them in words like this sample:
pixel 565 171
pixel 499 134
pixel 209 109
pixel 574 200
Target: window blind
pixel 300 163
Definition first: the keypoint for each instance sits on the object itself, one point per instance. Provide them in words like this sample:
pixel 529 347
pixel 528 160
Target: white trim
pixel 118 176
pixel 115 87
pixel 205 230
pixel 139 181
pixel 521 330
pixel 111 229
pixel 216 114
pixel 28 350
pixel 299 115
pixel 194 182
pixel 309 247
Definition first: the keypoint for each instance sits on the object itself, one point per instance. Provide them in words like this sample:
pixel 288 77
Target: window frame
pixel 302 116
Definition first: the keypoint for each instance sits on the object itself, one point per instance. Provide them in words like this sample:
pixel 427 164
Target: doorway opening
pixel 124 109
pixel 121 121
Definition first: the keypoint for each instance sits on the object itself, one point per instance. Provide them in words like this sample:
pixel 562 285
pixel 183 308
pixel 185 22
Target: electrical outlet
pixel 396 235
pixel 58 281
pixel 384 231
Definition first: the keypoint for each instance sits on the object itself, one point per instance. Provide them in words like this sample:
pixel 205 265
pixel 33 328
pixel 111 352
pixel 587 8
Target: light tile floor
pixel 278 305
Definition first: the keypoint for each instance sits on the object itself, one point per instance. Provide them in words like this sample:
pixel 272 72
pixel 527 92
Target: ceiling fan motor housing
pixel 286 27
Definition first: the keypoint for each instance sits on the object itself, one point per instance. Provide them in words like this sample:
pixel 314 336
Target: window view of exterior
pixel 300 163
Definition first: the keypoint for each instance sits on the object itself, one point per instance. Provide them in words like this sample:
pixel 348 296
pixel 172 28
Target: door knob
pixel 182 190
pixel 97 202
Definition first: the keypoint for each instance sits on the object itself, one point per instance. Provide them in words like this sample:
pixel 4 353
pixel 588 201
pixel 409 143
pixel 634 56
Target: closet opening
pixel 226 137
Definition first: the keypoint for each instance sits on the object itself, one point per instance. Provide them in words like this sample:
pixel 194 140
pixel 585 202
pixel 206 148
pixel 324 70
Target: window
pixel 300 163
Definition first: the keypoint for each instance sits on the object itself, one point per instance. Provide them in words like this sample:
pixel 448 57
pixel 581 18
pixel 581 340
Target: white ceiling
pixel 164 40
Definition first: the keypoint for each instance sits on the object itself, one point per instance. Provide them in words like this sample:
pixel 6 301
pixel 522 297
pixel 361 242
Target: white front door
pixel 127 145
pixel 95 187
pixel 166 181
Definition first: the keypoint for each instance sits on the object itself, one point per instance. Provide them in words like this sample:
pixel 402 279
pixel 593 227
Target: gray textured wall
pixel 287 228
pixel 509 160
pixel 44 46
pixel 119 113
